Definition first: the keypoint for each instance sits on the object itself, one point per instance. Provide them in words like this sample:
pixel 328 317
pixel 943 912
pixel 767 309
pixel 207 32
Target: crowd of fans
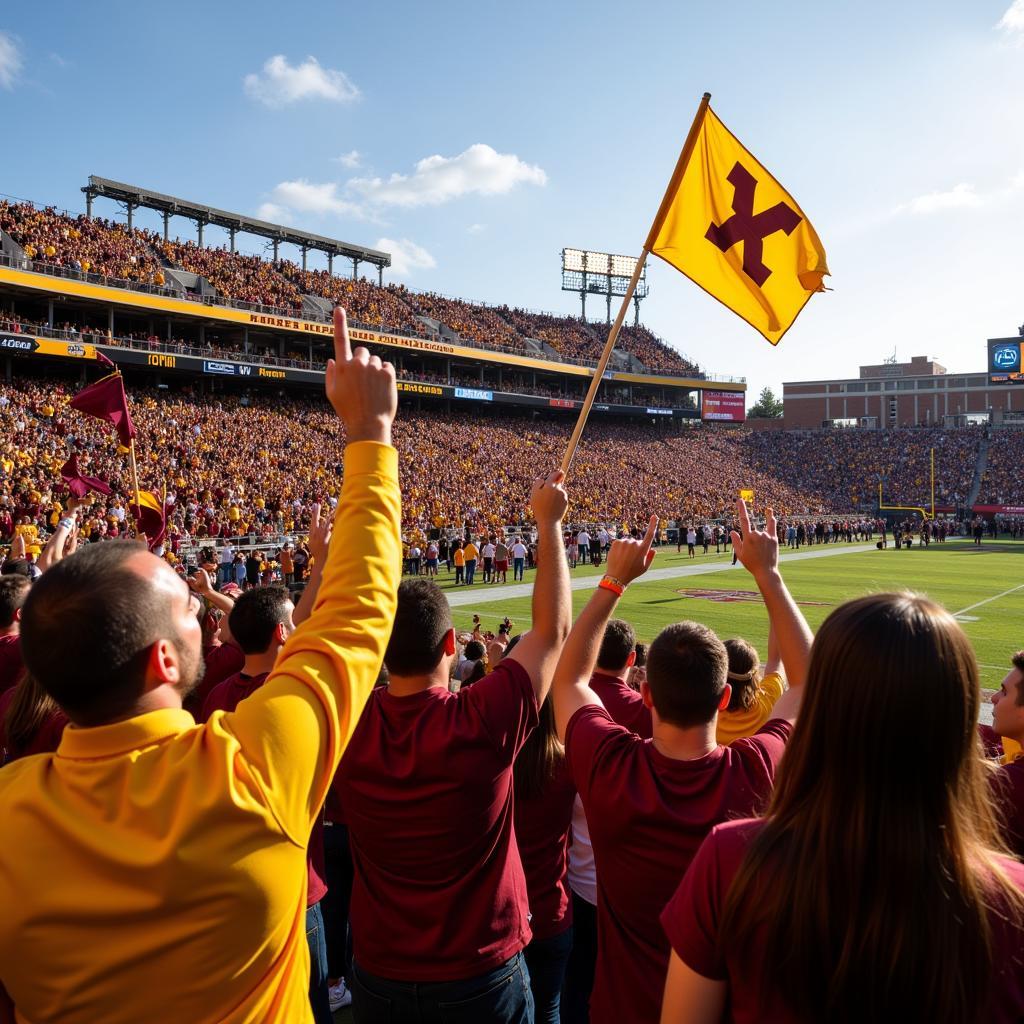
pixel 264 805
pixel 1000 483
pixel 102 247
pixel 92 246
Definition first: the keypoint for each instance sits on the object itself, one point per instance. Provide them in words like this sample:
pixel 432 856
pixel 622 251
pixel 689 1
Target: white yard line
pixel 971 607
pixel 488 593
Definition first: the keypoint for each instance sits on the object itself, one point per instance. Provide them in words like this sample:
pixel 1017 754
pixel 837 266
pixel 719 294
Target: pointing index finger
pixel 652 527
pixel 342 347
pixel 741 508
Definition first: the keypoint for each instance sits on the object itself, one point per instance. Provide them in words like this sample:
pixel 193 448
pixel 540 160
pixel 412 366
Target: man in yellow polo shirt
pixel 152 869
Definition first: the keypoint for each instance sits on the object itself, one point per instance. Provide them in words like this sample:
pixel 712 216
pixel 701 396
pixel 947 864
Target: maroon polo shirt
pixel 426 790
pixel 647 815
pixel 1008 793
pixel 221 661
pixel 226 696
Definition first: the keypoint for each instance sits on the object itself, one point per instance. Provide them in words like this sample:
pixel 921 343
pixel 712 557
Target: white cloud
pixel 280 83
pixel 310 197
pixel 437 179
pixel 10 61
pixel 351 159
pixel 962 196
pixel 274 213
pixel 406 256
pixel 475 229
pixel 1012 21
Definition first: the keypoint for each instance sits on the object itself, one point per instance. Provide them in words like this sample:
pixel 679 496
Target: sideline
pixel 995 597
pixel 492 593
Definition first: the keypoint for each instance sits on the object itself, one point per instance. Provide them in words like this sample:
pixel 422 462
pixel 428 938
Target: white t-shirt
pixel 227 554
pixel 582 869
pixel 519 550
pixel 583 539
pixel 691 537
pixel 488 550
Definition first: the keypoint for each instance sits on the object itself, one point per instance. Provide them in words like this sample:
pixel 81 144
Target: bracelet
pixel 68 524
pixel 614 585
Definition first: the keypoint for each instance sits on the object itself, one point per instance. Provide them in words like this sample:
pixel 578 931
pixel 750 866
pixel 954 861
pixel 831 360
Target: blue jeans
pixel 547 959
pixel 501 996
pixel 579 972
pixel 517 568
pixel 470 569
pixel 319 999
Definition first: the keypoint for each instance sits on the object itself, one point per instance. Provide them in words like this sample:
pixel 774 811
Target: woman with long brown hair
pixel 876 886
pixel 30 721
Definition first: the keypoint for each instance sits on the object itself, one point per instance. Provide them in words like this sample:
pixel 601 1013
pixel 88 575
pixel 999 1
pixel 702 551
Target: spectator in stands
pixel 649 804
pixel 867 892
pixel 197 832
pixel 30 722
pixel 754 692
pixel 422 935
pixel 13 592
pixel 1008 780
pixel 544 799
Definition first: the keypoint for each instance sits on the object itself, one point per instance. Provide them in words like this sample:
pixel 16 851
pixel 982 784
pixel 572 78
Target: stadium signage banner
pixel 723 405
pixel 209 366
pixel 651 411
pixel 476 394
pixel 436 390
pixel 19 344
pixel 1002 510
pixel 563 403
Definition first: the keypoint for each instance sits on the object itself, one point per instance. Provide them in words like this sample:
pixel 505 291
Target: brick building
pixel 918 393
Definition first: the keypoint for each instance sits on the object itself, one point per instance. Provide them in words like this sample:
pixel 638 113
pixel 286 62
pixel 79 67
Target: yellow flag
pixel 734 230
pixel 147 499
pixel 746 495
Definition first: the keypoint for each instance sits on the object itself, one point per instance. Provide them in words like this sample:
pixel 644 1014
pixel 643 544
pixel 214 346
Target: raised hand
pixel 360 387
pixel 200 583
pixel 758 550
pixel 628 559
pixel 548 498
pixel 319 535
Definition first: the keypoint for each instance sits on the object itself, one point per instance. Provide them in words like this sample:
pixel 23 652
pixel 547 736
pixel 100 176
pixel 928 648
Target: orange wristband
pixel 616 588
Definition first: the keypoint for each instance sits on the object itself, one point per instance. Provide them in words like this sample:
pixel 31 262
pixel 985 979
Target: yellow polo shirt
pixel 734 725
pixel 155 870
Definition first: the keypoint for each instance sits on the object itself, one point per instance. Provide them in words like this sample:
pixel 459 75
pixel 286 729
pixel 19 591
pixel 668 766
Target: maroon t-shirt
pixel 11 664
pixel 426 790
pixel 47 737
pixel 691 923
pixel 625 705
pixel 226 696
pixel 542 826
pixel 1008 793
pixel 648 814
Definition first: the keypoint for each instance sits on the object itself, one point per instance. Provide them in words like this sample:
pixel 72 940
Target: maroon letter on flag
pixel 106 400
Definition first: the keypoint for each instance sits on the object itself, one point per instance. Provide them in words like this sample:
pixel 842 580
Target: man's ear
pixel 17 615
pixel 449 642
pixel 162 666
pixel 631 660
pixel 726 697
pixel 645 693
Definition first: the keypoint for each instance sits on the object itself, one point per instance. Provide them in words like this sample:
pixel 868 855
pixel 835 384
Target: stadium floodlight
pixel 601 273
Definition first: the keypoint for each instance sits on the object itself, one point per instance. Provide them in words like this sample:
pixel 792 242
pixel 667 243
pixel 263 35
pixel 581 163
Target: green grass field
pixel 984 585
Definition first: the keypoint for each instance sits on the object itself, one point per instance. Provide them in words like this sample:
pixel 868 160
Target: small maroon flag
pixel 101 358
pixel 151 516
pixel 106 400
pixel 78 484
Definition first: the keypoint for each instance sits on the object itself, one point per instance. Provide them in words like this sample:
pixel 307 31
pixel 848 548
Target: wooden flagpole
pixel 613 334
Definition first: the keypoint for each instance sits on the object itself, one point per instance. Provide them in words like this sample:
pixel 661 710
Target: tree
pixel 768 407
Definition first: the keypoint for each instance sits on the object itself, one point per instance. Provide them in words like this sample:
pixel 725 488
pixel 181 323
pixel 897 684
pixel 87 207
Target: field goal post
pixel 925 514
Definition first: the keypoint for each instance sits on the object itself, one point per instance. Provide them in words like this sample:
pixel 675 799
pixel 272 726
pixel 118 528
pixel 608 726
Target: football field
pixel 983 586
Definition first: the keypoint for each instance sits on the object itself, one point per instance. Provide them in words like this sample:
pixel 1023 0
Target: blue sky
pixel 478 139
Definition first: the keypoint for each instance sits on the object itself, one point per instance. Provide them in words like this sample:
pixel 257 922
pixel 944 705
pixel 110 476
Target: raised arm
pixel 319 542
pixel 758 550
pixel 538 651
pixel 294 729
pixel 774 662
pixel 627 559
pixel 201 584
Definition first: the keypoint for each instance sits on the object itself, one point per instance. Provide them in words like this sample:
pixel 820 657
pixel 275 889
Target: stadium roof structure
pixel 171 206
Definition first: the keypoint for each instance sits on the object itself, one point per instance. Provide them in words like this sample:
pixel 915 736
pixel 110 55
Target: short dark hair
pixel 87 627
pixel 1018 663
pixel 17 567
pixel 13 591
pixel 474 650
pixel 421 622
pixel 687 667
pixel 618 644
pixel 255 616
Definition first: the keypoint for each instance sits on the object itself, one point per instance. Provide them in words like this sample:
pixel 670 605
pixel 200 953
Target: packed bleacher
pixel 112 250
pixel 1001 481
pixel 264 803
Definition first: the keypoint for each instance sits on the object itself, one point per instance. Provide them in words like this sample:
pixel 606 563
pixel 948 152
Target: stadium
pixel 371 653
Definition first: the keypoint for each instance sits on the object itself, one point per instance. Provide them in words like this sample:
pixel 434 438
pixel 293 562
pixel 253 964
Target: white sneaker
pixel 339 996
